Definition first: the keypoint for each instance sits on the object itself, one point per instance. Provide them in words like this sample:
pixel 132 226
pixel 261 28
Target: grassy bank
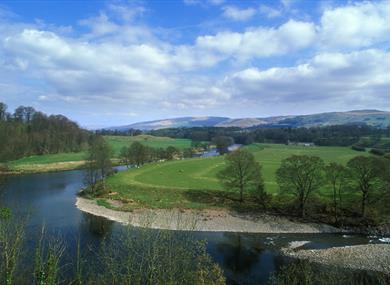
pixel 193 183
pixel 69 161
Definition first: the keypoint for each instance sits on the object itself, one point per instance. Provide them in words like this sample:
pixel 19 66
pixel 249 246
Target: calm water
pixel 49 200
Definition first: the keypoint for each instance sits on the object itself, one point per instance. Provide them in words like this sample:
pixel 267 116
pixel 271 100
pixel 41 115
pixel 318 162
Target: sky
pixel 110 63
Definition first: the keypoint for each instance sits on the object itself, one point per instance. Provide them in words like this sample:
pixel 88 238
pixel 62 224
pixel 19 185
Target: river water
pixel 49 199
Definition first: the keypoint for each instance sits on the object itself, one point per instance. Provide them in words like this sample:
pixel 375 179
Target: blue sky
pixel 105 63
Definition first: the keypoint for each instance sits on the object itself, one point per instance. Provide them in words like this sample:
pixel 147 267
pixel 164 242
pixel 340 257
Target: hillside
pixel 369 117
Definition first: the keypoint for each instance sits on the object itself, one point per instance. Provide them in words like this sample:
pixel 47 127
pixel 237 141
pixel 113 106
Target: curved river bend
pixel 49 200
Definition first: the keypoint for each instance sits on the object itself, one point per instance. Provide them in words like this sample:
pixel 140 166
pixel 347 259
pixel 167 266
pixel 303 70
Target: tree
pixel 336 175
pixel 222 144
pixel 138 153
pixel 3 111
pixel 367 173
pixel 242 172
pixel 99 164
pixel 300 175
pixel 171 151
pixel 125 156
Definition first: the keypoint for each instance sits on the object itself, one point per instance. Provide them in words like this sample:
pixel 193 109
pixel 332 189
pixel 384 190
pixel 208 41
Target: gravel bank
pixel 374 257
pixel 205 220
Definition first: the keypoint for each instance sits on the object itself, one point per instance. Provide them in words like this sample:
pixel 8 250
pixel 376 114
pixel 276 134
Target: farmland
pixel 175 183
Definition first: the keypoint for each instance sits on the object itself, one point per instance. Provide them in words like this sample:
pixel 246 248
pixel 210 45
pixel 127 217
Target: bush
pixel 358 148
pixel 387 155
pixel 98 189
pixel 377 151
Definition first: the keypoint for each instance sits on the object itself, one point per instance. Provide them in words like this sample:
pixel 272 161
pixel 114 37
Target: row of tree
pixel 338 135
pixel 137 154
pixel 28 132
pixel 301 176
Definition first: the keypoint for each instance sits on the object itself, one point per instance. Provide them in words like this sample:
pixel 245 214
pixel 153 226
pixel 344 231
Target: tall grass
pixel 133 256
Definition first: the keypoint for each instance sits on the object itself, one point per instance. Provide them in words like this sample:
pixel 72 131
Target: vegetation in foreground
pixel 139 256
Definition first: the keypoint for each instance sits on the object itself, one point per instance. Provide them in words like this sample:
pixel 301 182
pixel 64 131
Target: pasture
pixel 175 183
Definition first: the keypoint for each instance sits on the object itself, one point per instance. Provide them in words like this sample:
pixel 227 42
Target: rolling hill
pixel 370 117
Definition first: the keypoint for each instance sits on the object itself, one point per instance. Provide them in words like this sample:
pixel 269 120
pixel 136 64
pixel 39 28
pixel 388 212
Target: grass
pixel 117 142
pixel 66 161
pixel 192 183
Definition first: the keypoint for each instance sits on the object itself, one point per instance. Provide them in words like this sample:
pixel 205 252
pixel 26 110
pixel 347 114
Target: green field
pixel 117 142
pixel 64 161
pixel 176 183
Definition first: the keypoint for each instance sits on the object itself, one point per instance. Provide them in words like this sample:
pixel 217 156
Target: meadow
pixel 65 161
pixel 192 183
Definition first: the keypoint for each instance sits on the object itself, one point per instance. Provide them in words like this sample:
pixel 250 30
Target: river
pixel 49 199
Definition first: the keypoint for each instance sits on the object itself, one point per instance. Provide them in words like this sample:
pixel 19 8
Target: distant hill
pixel 370 117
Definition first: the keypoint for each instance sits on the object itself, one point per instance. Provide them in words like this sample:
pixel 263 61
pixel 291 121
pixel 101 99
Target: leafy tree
pixel 188 153
pixel 138 153
pixel 368 174
pixel 29 132
pixel 336 176
pixel 125 156
pixel 222 144
pixel 171 151
pixel 300 175
pixel 242 172
pixel 99 164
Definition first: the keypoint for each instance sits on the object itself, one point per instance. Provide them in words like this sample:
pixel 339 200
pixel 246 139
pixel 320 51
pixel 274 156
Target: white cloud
pixel 357 77
pixel 269 11
pixel 238 14
pixel 357 25
pixel 115 65
pixel 261 42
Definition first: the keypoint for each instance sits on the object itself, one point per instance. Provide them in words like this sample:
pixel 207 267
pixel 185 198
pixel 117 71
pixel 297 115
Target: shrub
pixel 377 151
pixel 358 148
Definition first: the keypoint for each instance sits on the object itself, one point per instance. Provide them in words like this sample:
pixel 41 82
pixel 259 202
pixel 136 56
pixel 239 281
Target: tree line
pixel 337 135
pixel 301 177
pixel 27 131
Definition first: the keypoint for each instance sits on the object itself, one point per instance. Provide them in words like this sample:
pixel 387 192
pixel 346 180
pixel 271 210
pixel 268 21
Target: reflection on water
pixel 49 199
pixel 97 226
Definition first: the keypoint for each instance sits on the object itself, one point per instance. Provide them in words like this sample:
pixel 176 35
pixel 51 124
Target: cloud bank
pixel 115 64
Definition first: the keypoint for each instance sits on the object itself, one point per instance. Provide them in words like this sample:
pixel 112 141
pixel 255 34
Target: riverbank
pixel 44 167
pixel 37 168
pixel 213 220
pixel 374 257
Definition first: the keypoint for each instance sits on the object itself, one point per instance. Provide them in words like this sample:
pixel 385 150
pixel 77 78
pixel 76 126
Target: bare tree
pixel 241 173
pixel 336 176
pixel 367 173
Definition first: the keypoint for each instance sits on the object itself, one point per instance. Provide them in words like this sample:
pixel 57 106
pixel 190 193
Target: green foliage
pixel 156 257
pixel 368 174
pixel 242 173
pixel 98 165
pixel 336 175
pixel 48 254
pixel 5 213
pixel 12 235
pixel 377 151
pixel 29 132
pixel 222 143
pixel 300 175
pixel 302 272
pixel 358 148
